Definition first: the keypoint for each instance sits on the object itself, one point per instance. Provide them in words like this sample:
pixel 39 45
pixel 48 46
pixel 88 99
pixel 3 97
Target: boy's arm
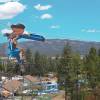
pixel 32 37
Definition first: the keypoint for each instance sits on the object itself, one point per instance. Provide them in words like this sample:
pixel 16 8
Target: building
pixel 10 87
pixel 41 85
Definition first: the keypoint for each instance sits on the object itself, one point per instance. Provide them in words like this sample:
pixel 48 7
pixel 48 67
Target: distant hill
pixel 53 47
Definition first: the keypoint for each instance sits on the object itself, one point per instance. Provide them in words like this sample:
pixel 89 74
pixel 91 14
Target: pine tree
pixel 91 68
pixel 29 61
pixel 64 70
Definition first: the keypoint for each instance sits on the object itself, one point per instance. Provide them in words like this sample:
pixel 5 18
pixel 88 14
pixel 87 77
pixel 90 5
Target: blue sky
pixel 57 19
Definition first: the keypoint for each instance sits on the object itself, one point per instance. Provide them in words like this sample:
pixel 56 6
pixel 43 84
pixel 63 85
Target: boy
pixel 15 52
pixel 18 33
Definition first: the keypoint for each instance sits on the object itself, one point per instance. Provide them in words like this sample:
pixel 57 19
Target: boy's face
pixel 18 31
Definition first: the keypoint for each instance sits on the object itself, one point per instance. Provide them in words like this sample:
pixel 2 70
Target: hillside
pixel 53 46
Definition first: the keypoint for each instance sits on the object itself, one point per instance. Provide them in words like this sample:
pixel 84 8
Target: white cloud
pixel 55 26
pixel 11 9
pixel 41 7
pixel 4 1
pixel 90 30
pixel 46 16
pixel 3 31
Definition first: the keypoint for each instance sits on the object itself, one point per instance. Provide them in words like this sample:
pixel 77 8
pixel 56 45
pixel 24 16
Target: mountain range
pixel 52 47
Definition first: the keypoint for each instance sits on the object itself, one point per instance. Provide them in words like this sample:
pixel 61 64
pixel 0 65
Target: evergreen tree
pixel 64 70
pixel 38 64
pixel 92 69
pixel 43 64
pixel 29 61
pixel 1 67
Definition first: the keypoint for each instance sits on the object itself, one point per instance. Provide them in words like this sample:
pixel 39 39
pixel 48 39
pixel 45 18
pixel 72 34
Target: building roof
pixel 43 79
pixel 31 78
pixel 47 79
pixel 12 85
